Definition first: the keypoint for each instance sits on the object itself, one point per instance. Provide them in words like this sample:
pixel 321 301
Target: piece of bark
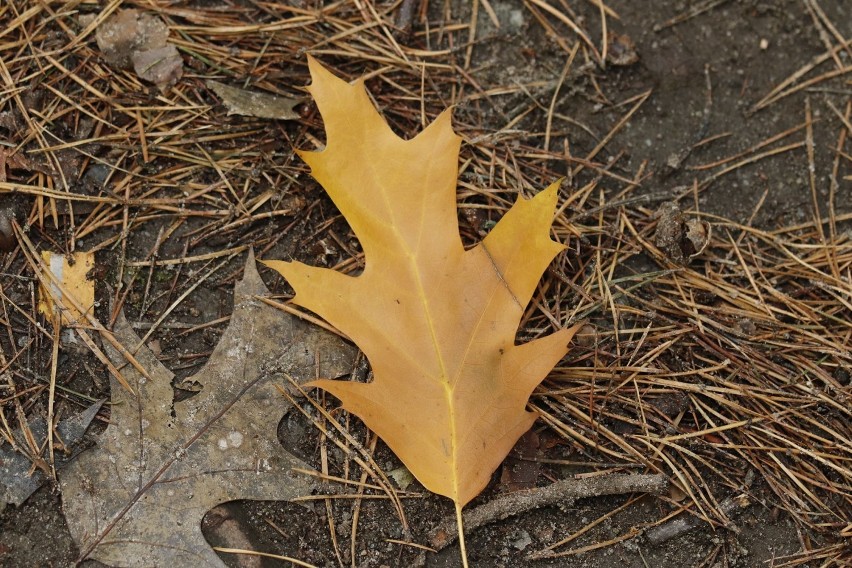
pixel 685 522
pixel 405 19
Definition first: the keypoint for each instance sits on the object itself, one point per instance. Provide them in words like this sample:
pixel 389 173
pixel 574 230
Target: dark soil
pixel 739 50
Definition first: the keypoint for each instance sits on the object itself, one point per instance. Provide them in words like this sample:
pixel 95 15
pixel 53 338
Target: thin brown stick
pixel 562 492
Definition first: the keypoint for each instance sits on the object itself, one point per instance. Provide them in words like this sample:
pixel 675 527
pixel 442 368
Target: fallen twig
pixel 563 492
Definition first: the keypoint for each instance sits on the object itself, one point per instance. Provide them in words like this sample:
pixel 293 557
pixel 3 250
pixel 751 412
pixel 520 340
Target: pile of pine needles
pixel 716 370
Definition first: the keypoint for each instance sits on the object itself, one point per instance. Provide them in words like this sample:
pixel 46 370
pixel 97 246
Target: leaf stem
pixel 460 524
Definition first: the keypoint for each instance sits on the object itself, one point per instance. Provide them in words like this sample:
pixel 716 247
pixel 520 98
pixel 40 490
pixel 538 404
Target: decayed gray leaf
pixel 162 66
pixel 130 39
pixel 16 484
pixel 251 103
pixel 138 498
pixel 129 31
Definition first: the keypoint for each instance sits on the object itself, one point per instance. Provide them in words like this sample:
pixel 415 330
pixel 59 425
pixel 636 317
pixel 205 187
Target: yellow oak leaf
pixel 436 322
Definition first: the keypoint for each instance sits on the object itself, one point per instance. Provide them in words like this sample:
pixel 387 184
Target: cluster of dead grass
pixel 729 369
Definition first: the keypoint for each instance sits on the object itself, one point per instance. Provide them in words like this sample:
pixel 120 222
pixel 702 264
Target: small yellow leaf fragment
pixel 72 277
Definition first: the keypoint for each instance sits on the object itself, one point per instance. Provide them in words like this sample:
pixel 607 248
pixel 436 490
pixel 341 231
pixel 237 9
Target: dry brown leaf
pixel 436 322
pixel 252 103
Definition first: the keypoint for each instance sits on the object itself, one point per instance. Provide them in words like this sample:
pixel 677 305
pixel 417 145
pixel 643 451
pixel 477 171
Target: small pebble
pixel 7 235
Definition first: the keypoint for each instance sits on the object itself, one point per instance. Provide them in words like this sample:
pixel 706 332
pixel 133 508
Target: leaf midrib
pixel 421 292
